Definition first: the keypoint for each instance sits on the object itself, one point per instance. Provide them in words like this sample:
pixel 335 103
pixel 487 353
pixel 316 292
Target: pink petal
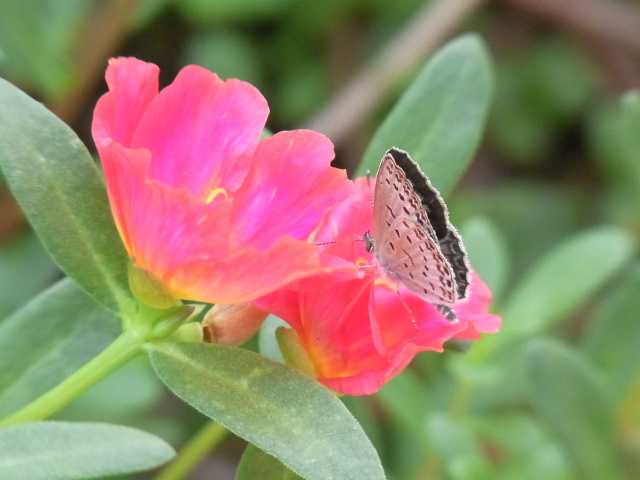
pixel 202 131
pixel 475 309
pixel 289 188
pixel 133 84
pixel 161 227
pixel 363 383
pixel 367 382
pixel 409 320
pixel 352 216
pixel 245 273
pixel 331 323
pixel 125 173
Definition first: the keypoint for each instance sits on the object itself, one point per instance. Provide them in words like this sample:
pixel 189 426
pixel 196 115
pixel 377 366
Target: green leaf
pixel 566 278
pixel 22 259
pixel 38 39
pixel 488 252
pixel 67 451
pixel 439 120
pixel 272 406
pixel 574 401
pixel 614 137
pixel 407 400
pixel 533 216
pixel 62 192
pixel 454 441
pixel 47 340
pixel 257 464
pixel 612 336
pixel 527 450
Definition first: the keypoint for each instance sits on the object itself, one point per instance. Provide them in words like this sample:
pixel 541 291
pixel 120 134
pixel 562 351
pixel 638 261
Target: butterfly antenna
pixel 448 312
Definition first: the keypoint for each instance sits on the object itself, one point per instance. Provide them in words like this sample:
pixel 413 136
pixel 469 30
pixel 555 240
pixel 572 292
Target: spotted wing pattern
pixel 394 197
pixel 407 253
pixel 432 203
pixel 415 243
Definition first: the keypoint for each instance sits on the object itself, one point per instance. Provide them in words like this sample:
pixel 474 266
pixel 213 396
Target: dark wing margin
pixel 447 236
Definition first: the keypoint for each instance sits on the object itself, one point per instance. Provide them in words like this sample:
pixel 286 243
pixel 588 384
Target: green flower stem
pixel 124 348
pixel 202 444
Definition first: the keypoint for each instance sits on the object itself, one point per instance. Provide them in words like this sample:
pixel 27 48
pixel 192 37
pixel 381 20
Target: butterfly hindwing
pixel 410 255
pixel 415 242
pixel 436 210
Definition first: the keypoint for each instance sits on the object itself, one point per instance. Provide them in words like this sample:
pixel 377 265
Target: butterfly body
pixel 415 244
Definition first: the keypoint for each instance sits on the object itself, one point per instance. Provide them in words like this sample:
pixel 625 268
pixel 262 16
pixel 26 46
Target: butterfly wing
pixel 432 203
pixel 394 198
pixel 407 253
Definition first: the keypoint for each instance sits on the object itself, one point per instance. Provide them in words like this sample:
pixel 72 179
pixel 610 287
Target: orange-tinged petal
pixel 201 204
pixel 160 226
pixel 247 273
pixel 361 332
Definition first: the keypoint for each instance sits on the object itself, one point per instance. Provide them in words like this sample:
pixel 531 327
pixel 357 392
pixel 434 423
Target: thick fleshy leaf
pixel 407 400
pixel 69 451
pixel 488 252
pixel 440 118
pixel 614 137
pixel 63 194
pixel 612 336
pixel 273 406
pixel 257 464
pixel 564 279
pixel 567 391
pixel 525 445
pixel 38 41
pixel 48 339
pixel 26 269
pixel 455 442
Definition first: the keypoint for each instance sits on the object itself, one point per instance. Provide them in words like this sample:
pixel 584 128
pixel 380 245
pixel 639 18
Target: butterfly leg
pixel 413 319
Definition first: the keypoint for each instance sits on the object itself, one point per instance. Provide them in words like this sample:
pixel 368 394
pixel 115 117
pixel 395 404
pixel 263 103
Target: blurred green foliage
pixel 549 212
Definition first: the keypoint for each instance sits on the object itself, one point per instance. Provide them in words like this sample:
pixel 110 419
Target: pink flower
pixel 359 333
pixel 201 204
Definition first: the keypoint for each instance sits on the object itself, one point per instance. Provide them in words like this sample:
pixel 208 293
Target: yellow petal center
pixel 214 193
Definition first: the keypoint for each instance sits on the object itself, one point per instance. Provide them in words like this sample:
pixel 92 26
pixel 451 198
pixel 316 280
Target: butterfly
pixel 415 244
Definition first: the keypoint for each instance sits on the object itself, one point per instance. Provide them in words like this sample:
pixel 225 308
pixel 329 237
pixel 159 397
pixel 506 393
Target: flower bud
pixel 189 332
pixel 232 324
pixel 148 289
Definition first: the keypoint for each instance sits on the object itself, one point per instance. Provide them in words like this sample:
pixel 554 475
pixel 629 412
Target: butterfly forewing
pixel 433 205
pixel 414 241
pixel 394 197
pixel 410 255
